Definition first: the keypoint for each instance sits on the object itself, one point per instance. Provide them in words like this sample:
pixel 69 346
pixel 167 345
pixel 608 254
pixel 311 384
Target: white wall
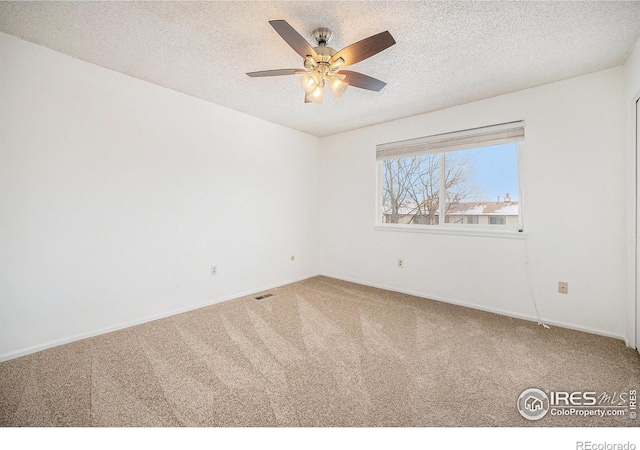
pixel 576 208
pixel 632 72
pixel 117 196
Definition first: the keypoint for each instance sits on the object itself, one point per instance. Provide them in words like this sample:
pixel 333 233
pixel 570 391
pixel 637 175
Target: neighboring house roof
pixel 484 209
pixel 471 209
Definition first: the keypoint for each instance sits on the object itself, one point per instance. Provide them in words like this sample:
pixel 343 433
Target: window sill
pixel 510 233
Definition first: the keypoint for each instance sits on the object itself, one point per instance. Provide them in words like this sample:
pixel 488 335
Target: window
pixel 473 220
pixel 469 178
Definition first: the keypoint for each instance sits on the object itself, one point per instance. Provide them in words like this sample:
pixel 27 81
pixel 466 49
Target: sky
pixel 496 170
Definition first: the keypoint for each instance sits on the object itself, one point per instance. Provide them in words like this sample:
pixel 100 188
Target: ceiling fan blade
pixel 362 81
pixel 365 48
pixel 293 38
pixel 274 73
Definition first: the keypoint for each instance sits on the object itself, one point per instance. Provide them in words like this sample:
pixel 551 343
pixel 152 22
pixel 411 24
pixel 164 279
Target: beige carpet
pixel 321 352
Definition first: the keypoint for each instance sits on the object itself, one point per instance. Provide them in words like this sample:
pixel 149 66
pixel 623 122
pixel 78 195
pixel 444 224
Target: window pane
pixel 481 185
pixel 411 190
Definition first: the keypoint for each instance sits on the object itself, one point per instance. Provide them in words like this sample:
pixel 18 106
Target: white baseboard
pixel 77 337
pixel 80 336
pixel 555 323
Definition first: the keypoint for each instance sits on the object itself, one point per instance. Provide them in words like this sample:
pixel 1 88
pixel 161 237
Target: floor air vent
pixel 264 296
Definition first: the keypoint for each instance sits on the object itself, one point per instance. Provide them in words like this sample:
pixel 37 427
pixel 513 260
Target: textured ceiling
pixel 447 53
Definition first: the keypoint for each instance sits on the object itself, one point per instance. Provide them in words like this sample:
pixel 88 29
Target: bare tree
pixel 424 190
pixel 460 186
pixel 399 175
pixel 412 186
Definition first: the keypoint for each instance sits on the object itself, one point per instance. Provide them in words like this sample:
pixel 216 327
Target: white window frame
pixel 511 132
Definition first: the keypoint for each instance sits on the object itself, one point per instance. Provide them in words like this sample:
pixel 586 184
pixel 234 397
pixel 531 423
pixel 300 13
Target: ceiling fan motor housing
pixel 322 36
pixel 325 54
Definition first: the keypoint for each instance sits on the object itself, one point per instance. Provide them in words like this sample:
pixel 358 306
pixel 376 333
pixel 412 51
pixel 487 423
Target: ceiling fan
pixel 323 65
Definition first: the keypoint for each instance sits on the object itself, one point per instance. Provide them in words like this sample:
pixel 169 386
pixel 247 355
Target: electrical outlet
pixel 400 264
pixel 214 270
pixel 563 287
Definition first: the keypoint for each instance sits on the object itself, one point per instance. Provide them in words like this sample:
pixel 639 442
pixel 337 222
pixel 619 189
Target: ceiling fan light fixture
pixel 310 81
pixel 322 63
pixel 337 63
pixel 316 95
pixel 310 63
pixel 337 85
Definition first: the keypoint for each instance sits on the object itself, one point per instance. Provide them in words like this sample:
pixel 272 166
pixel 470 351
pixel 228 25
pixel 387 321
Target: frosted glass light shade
pixel 310 81
pixel 316 95
pixel 337 86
